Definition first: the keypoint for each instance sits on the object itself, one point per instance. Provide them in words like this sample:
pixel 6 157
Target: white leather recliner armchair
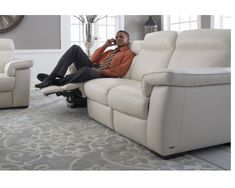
pixel 14 77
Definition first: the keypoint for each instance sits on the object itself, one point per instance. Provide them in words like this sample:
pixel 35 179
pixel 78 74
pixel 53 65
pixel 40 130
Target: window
pixel 221 22
pixel 104 28
pixel 181 23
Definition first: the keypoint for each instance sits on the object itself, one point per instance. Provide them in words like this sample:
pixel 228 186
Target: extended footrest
pixel 73 93
pixel 68 87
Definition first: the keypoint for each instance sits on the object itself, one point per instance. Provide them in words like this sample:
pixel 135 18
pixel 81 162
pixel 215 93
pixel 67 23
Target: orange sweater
pixel 120 63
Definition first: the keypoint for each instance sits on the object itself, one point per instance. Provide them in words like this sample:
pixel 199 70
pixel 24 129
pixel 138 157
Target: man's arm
pixel 122 68
pixel 99 53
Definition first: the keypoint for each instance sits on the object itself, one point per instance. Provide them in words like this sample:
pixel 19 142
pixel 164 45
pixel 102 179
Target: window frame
pixel 167 23
pixel 217 21
pixel 118 25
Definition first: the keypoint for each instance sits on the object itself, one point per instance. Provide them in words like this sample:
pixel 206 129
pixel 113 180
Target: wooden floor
pixel 219 155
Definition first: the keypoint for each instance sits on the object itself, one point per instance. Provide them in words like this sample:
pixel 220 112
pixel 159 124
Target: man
pixel 110 63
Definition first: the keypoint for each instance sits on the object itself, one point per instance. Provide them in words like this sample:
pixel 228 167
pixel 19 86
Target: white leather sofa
pixel 14 77
pixel 176 95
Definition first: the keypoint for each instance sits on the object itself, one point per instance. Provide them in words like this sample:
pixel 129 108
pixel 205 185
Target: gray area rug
pixel 51 136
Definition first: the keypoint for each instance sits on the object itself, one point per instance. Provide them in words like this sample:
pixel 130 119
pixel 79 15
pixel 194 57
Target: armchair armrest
pixel 186 78
pixel 13 65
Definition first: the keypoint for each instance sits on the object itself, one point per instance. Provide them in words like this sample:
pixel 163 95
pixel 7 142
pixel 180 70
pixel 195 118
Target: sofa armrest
pixel 186 78
pixel 11 66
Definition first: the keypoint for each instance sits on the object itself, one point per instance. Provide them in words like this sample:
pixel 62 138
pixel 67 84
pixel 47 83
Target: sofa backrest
pixel 155 53
pixel 202 48
pixel 7 48
pixel 135 46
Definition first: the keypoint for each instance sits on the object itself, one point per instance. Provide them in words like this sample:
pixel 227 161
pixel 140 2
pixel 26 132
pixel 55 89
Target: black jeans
pixel 75 55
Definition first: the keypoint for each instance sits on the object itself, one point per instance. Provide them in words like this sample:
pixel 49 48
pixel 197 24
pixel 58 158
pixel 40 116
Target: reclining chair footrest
pixel 72 92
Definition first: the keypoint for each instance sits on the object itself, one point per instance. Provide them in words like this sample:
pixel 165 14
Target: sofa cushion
pixel 6 83
pixel 156 51
pixel 135 46
pixel 98 89
pixel 129 99
pixel 202 48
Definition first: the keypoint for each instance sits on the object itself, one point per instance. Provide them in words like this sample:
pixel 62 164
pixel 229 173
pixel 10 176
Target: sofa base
pixel 17 107
pixel 168 156
pixel 182 153
pixel 100 112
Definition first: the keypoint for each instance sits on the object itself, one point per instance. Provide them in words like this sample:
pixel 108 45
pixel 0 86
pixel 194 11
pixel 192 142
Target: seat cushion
pixel 98 89
pixel 6 83
pixel 129 99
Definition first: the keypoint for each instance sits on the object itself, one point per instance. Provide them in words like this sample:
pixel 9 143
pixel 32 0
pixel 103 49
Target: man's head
pixel 122 38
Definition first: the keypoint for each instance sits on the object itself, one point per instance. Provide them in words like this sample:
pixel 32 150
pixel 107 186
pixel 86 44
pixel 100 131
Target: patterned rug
pixel 51 136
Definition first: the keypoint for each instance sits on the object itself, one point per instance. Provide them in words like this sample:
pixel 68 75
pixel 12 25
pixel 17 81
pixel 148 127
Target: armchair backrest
pixel 156 51
pixel 7 53
pixel 202 48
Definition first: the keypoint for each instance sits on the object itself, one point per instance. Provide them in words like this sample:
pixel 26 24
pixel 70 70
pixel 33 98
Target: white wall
pixel 43 61
pixel 36 32
pixel 134 25
pixel 46 59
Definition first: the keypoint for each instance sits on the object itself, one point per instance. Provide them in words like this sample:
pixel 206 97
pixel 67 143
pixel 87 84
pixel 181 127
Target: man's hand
pixel 98 70
pixel 101 72
pixel 109 42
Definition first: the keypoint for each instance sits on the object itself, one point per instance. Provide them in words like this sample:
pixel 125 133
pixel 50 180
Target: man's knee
pixel 76 47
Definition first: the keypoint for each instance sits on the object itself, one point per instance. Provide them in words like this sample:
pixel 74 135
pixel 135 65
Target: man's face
pixel 121 39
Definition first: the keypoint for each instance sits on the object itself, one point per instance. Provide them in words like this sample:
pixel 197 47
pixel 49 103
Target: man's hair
pixel 126 33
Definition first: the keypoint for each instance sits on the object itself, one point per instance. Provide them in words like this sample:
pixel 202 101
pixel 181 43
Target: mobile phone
pixel 114 42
